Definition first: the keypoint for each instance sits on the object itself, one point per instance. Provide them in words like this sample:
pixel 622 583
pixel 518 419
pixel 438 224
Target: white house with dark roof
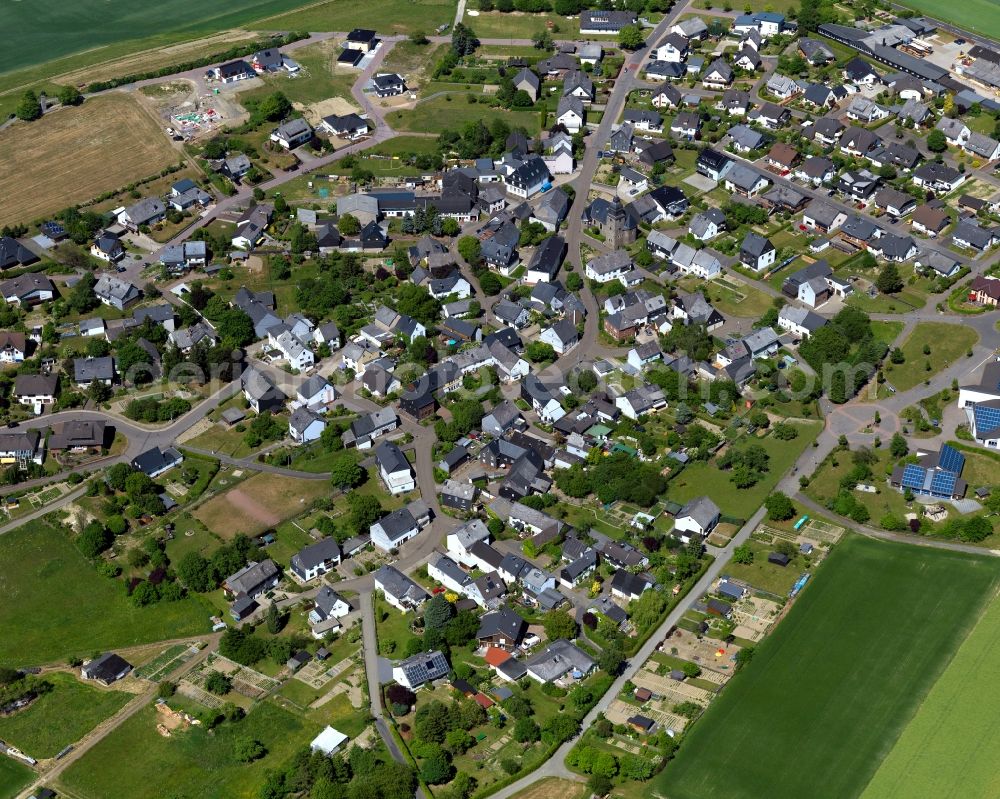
pixel 420 669
pixel 399 590
pixel 315 560
pixel 699 516
pixel 394 468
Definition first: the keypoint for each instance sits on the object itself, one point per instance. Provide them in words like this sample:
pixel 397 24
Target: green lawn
pixel 933 757
pixel 764 576
pixel 704 478
pixel 60 717
pixel 829 692
pixel 980 16
pixel 887 332
pixel 452 111
pixel 394 631
pixel 947 344
pixel 495 25
pixel 56 605
pixel 732 297
pixel 317 80
pixel 193 762
pixel 13 777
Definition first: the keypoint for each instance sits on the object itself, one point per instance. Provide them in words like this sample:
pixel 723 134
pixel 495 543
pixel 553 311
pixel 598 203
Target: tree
pixel 195 571
pixel 94 539
pixel 612 658
pixel 345 471
pixel 365 511
pixel 29 107
pixel 490 284
pixel 542 40
pixel 586 380
pixel 349 225
pixel 526 730
pixel 70 95
pixel 743 555
pixel 779 507
pixel 538 351
pixel 436 768
pixel 559 624
pixel 691 669
pixel 218 683
pixel 438 613
pixel 898 447
pixel 630 37
pixel 248 749
pixel 432 722
pixel 235 328
pixel 469 249
pixel 275 619
pixel 419 38
pixel 463 40
pixel 936 141
pixel 889 280
pixel 273 108
pixel 416 301
pixel 635 767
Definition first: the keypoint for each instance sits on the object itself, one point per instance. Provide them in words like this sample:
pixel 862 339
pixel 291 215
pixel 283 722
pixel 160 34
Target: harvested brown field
pixel 76 154
pixel 554 788
pixel 259 503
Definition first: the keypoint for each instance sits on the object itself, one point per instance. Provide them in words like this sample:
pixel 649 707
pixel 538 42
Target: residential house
pixel 93 370
pixel 119 294
pixel 718 75
pixel 399 590
pixel 939 178
pixel 315 560
pixel 260 392
pixel 745 181
pixel 305 425
pixel 253 580
pixel 559 658
pixel 929 219
pixel 605 22
pixel 420 669
pixel 394 469
pixel 154 462
pixel 699 516
pixel 800 322
pixel 757 252
pixel 394 529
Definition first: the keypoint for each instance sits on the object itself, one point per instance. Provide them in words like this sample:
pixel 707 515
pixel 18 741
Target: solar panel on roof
pixel 951 459
pixel 913 476
pixel 986 418
pixel 943 484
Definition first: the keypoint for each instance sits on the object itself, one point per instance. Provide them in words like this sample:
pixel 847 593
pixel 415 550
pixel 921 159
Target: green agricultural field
pixel 705 478
pixel 389 16
pixel 947 343
pixel 981 16
pixel 13 777
pixel 829 692
pixel 191 762
pixel 60 717
pixel 949 748
pixel 57 605
pixel 74 27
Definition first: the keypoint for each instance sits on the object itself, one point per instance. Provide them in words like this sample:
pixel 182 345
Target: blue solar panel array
pixel 943 484
pixel 913 476
pixel 951 459
pixel 986 418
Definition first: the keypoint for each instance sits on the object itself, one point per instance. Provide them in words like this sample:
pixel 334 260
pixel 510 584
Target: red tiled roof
pixel 495 656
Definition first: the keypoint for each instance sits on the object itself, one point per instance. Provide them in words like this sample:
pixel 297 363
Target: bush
pixel 218 683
